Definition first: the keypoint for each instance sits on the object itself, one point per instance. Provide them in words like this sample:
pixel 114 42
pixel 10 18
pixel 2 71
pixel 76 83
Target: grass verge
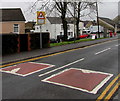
pixel 70 42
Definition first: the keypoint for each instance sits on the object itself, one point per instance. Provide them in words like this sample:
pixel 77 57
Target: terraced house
pixel 12 21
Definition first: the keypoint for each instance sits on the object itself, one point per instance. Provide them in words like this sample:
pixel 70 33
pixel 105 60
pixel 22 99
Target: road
pixel 100 59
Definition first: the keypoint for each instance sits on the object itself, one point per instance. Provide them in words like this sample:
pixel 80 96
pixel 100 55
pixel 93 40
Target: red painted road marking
pixel 25 69
pixel 81 79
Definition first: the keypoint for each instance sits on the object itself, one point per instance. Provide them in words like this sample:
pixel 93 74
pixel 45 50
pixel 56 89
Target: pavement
pixel 41 52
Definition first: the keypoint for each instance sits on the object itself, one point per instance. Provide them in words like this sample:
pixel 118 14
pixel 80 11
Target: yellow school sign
pixel 41 17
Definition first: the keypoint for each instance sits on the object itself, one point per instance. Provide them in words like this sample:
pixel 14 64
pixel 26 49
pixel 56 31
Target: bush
pixel 9 43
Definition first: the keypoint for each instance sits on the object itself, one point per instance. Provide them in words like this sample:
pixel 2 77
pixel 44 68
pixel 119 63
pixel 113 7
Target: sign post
pixel 40 21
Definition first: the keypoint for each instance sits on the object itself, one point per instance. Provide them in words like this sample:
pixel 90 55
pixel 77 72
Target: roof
pixel 109 21
pixel 12 14
pixel 58 20
pixel 55 20
pixel 117 20
pixel 88 23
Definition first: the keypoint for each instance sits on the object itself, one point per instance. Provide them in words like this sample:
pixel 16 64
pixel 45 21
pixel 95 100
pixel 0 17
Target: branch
pixel 58 9
pixel 58 6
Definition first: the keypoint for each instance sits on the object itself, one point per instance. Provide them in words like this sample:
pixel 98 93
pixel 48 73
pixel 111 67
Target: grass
pixel 71 42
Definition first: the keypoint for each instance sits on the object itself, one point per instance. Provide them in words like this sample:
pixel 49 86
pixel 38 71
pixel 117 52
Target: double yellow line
pixel 103 93
pixel 36 58
pixel 111 93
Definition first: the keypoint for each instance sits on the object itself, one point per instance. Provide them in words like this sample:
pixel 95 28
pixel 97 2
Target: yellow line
pixel 51 54
pixel 107 88
pixel 108 97
pixel 37 58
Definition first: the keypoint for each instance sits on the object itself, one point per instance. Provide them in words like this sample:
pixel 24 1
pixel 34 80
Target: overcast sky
pixel 106 9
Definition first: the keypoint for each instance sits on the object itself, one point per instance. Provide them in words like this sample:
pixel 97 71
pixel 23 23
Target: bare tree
pixel 78 8
pixel 62 8
pixel 74 9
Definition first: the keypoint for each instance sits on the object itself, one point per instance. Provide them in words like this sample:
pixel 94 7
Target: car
pixel 53 40
pixel 71 39
pixel 83 36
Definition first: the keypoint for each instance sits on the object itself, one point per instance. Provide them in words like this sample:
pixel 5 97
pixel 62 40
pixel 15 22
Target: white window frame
pixel 16 27
pixel 61 27
pixel 68 26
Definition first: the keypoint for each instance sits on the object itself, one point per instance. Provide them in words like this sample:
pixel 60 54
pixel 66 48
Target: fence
pixel 13 43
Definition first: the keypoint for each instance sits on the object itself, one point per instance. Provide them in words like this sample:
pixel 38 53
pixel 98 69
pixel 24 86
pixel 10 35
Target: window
pixel 61 27
pixel 68 26
pixel 60 33
pixel 72 34
pixel 69 33
pixel 16 28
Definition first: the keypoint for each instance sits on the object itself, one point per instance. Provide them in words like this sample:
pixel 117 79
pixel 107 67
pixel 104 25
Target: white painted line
pixel 61 67
pixel 40 69
pixel 94 91
pixel 117 45
pixel 15 70
pixel 102 51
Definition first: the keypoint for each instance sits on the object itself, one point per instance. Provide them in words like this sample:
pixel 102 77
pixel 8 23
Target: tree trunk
pixel 64 22
pixel 78 19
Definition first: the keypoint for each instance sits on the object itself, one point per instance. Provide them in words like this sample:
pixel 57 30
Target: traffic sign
pixel 41 17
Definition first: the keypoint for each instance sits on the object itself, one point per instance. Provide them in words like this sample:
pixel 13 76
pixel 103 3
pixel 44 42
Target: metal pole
pixel 40 36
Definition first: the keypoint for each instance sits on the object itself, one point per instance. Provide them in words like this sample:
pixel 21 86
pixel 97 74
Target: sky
pixel 107 9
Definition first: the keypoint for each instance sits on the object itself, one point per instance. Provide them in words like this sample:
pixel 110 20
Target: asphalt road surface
pixel 84 73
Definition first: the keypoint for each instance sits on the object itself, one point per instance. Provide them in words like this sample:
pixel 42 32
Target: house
pixel 108 24
pixel 30 25
pixel 117 21
pixel 94 29
pixel 55 27
pixel 12 21
pixel 87 24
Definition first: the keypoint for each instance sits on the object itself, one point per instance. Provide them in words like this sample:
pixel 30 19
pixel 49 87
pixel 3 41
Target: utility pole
pixel 74 22
pixel 97 19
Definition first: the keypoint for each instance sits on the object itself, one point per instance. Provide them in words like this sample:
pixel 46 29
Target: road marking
pixel 107 88
pixel 62 67
pixel 15 70
pixel 102 51
pixel 68 82
pixel 26 69
pixel 108 97
pixel 36 58
pixel 117 45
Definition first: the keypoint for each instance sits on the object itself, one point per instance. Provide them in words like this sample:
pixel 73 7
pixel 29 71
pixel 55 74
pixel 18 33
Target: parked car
pixel 83 36
pixel 94 36
pixel 71 39
pixel 53 40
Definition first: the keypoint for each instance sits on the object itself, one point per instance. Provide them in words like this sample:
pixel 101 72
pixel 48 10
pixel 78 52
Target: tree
pixel 62 8
pixel 78 8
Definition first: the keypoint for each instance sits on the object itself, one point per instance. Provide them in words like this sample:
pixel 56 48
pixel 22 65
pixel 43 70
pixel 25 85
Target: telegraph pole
pixel 97 19
pixel 74 22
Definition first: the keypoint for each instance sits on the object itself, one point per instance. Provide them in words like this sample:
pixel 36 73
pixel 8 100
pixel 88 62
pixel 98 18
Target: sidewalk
pixel 46 51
